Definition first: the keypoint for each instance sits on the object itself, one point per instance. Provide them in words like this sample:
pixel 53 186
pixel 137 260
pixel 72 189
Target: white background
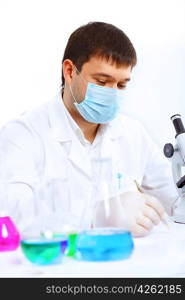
pixel 33 35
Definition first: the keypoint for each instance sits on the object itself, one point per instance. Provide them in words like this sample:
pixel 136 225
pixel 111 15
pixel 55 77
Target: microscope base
pixel 179 219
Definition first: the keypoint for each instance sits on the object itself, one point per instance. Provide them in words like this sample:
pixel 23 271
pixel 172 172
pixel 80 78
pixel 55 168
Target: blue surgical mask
pixel 101 104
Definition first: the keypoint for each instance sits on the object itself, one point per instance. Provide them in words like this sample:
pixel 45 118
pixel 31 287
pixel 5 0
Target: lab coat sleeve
pixel 157 179
pixel 19 164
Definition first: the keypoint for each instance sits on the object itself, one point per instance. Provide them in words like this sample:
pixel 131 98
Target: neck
pixel 89 129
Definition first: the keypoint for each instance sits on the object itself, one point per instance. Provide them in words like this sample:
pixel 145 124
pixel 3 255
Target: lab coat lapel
pixel 65 135
pixel 110 145
pixel 79 157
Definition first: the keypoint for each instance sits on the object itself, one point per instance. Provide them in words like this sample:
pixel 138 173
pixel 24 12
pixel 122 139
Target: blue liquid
pixel 104 244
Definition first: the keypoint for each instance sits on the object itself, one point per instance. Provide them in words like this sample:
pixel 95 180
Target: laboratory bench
pixel 160 254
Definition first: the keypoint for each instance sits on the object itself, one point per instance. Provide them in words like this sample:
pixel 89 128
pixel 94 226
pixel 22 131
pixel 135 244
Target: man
pixel 81 138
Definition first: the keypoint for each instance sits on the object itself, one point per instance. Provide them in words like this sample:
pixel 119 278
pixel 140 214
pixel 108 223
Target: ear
pixel 68 70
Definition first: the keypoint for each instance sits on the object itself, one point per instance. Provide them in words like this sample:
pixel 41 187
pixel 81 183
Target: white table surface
pixel 160 254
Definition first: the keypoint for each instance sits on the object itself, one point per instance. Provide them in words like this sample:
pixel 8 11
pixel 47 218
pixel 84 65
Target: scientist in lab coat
pixel 81 138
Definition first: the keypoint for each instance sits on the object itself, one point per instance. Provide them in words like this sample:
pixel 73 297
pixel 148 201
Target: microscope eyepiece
pixel 177 122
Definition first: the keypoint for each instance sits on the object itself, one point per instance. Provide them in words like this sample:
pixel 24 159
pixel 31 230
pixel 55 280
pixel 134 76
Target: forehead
pixel 97 65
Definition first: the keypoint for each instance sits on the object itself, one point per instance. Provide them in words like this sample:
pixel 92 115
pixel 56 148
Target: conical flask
pixel 9 235
pixel 45 240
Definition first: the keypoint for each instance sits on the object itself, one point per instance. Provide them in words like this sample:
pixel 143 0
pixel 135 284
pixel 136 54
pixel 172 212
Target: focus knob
pixel 168 150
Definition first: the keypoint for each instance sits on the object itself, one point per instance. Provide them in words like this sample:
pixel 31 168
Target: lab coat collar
pixel 64 134
pixel 116 127
pixel 59 120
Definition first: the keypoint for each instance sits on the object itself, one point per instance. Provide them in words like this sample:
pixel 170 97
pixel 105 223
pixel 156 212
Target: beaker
pixel 104 244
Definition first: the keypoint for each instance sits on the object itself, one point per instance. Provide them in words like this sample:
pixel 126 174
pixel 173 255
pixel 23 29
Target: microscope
pixel 177 156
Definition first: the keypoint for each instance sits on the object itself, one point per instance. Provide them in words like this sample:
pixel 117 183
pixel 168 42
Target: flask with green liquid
pixel 44 242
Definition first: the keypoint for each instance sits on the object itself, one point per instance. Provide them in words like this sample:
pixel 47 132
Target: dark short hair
pixel 102 40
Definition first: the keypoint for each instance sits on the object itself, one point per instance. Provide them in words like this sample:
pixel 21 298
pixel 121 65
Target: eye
pixel 121 86
pixel 101 82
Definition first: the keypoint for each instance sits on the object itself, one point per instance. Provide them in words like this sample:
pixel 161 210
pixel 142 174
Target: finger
pixel 151 213
pixel 145 222
pixel 156 205
pixel 139 231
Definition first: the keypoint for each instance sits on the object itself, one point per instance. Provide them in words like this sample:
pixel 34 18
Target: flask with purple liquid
pixel 9 235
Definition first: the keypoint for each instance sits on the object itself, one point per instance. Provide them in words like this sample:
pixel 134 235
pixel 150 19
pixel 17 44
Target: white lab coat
pixel 42 144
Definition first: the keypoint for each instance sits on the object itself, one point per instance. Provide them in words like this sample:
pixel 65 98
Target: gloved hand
pixel 134 211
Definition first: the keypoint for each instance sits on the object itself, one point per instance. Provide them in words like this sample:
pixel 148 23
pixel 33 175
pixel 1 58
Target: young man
pixel 81 138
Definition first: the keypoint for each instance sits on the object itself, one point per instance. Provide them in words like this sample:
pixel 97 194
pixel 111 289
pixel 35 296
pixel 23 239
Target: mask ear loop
pixel 70 85
pixel 80 75
pixel 72 94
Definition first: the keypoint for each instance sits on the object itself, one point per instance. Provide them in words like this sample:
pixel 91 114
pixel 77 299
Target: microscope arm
pixel 177 163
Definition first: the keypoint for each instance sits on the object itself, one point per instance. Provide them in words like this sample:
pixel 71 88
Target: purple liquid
pixel 9 235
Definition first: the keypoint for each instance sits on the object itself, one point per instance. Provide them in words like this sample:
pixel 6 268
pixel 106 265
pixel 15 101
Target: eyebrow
pixel 108 76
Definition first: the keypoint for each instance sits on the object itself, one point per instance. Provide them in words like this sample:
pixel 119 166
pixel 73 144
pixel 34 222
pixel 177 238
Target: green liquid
pixel 71 250
pixel 42 252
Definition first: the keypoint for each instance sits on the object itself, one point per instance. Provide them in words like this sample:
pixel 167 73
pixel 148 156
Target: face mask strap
pixel 72 94
pixel 80 75
pixel 70 85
